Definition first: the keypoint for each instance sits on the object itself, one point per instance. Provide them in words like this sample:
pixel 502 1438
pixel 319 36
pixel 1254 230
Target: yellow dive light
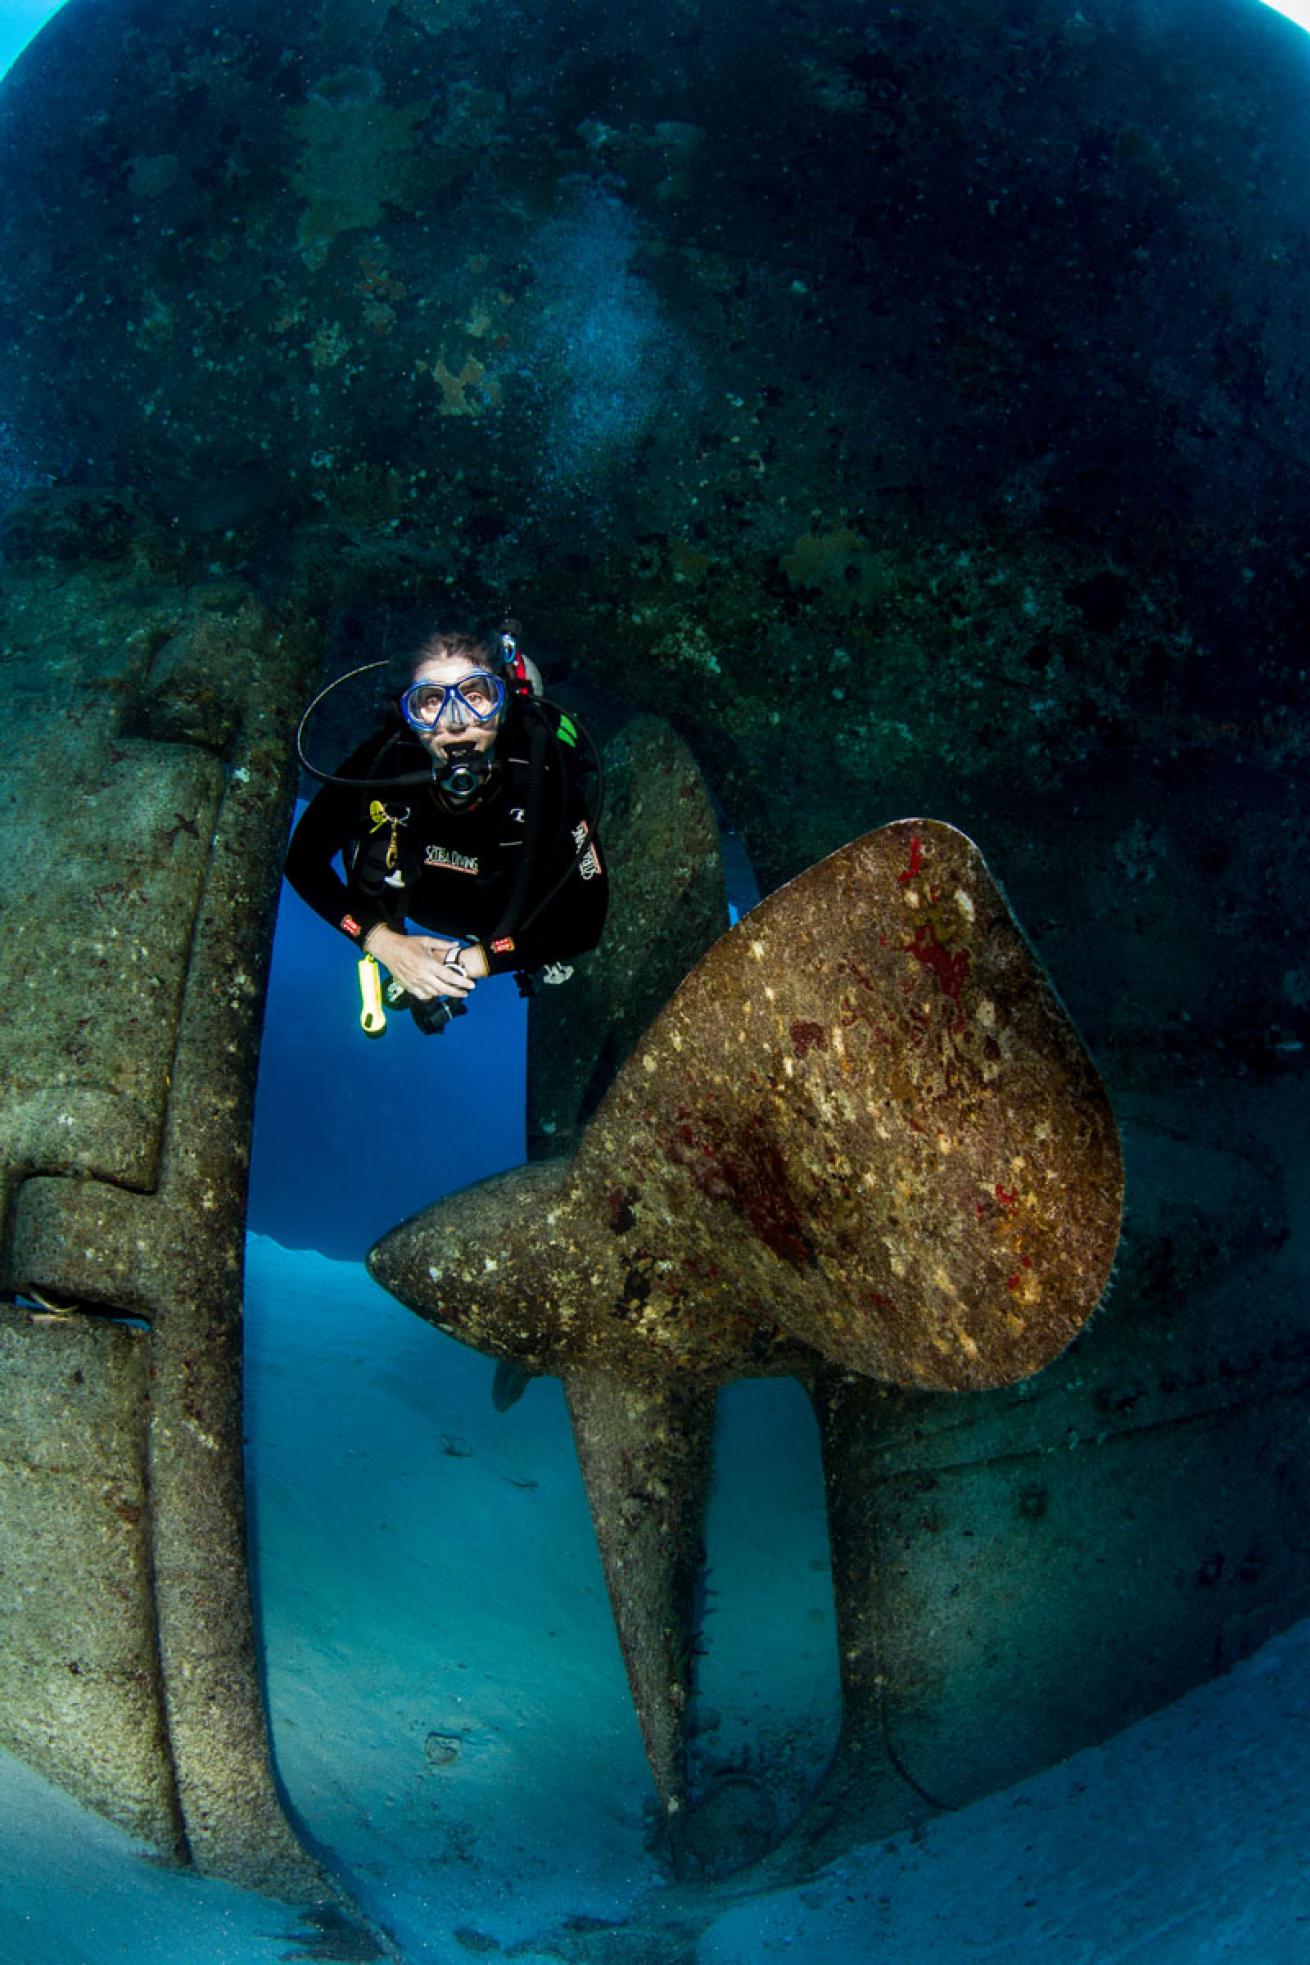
pixel 372 1016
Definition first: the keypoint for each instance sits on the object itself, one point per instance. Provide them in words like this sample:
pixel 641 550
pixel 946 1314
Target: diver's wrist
pixel 378 929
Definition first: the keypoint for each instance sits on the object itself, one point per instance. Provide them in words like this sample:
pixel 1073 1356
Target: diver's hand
pixel 421 964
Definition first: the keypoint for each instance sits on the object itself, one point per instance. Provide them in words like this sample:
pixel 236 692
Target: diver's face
pixel 456 725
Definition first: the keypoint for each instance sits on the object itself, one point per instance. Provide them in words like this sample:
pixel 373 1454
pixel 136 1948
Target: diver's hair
pixel 480 651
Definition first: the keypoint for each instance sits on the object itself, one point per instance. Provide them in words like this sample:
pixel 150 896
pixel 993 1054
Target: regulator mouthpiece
pixel 463 772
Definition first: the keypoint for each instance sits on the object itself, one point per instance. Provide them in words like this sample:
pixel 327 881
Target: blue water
pixel 353 1133
pixel 19 21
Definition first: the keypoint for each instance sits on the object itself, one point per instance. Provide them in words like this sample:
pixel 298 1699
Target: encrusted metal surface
pixel 83 1693
pixel 667 905
pixel 863 1125
pixel 140 859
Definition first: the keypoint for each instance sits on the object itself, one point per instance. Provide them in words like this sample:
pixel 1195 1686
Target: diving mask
pixel 476 697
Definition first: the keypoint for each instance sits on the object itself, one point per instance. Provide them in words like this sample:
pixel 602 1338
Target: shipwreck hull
pixel 1023 1581
pixel 151 787
pixel 1018 1572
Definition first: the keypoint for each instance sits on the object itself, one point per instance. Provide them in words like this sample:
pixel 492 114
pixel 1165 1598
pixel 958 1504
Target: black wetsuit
pixel 455 871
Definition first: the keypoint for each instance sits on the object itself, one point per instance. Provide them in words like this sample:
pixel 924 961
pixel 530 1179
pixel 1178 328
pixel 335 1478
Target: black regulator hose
pixel 330 777
pixel 594 814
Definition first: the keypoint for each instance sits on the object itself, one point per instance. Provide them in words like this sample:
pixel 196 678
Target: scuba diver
pixel 465 815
